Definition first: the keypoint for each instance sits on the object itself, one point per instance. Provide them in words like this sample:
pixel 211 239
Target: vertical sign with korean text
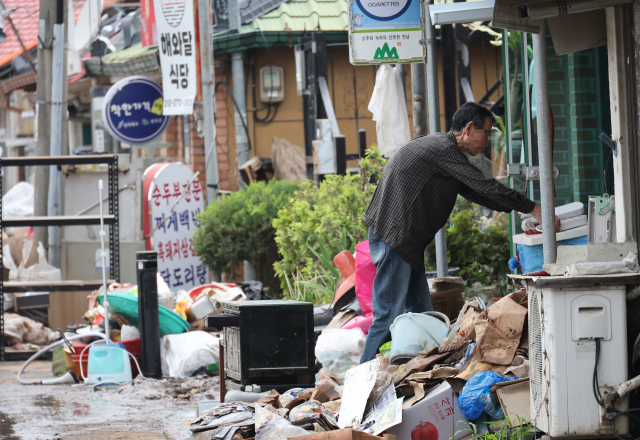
pixel 176 41
pixel 171 220
pixel 385 31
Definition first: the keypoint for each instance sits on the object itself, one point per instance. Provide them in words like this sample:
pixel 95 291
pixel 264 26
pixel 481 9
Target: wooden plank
pixel 52 286
pixel 67 308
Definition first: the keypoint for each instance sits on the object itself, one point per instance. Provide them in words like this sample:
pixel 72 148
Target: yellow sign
pixel 157 107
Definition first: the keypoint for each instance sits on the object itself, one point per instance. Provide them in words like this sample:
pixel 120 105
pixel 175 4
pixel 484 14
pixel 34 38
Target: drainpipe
pixel 544 147
pixel 434 126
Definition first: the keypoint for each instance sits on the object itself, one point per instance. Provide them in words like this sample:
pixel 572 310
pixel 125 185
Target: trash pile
pixel 435 377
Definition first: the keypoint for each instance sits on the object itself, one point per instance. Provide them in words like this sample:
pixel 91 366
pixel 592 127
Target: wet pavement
pixel 46 412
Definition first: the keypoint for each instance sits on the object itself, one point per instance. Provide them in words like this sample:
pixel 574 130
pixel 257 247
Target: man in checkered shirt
pixel 413 200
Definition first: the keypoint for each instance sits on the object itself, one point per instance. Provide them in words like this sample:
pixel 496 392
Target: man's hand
pixel 537 214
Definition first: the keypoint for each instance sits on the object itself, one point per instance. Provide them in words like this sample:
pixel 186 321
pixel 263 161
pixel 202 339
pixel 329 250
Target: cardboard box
pixel 448 298
pixel 449 302
pixel 440 408
pixel 514 399
pixel 342 434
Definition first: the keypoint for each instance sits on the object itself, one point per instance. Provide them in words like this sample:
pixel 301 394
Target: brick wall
pixel 585 125
pixel 176 152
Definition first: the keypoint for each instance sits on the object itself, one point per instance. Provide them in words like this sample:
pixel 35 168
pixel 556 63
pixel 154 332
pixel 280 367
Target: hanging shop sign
pixel 177 44
pixel 132 110
pixel 173 199
pixel 382 31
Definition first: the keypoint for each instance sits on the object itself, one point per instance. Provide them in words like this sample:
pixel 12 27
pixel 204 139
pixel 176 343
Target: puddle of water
pixel 6 427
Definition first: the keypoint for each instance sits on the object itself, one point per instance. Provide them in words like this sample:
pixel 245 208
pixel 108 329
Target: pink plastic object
pixel 361 322
pixel 365 273
pixel 345 263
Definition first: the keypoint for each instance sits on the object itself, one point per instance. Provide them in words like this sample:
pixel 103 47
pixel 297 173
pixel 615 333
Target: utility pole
pixel 237 73
pixel 419 99
pixel 208 100
pixel 58 124
pixel 240 115
pixel 434 126
pixel 43 112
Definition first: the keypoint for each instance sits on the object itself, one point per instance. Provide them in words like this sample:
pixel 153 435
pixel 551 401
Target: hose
pixel 49 347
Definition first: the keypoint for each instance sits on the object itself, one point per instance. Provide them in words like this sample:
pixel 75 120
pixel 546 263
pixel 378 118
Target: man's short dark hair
pixel 469 111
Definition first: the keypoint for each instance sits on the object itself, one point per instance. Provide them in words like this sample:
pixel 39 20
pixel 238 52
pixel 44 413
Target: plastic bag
pixel 270 426
pixel 183 354
pixel 165 297
pixel 340 349
pixel 390 110
pixel 476 395
pixel 41 271
pixel 365 274
pixel 129 333
pixel 18 201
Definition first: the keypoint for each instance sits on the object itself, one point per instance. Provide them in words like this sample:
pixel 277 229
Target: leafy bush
pixel 482 252
pixel 322 220
pixel 238 227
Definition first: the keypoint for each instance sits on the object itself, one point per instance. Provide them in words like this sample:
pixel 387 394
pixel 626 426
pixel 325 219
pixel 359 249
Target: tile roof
pixel 300 15
pixel 25 18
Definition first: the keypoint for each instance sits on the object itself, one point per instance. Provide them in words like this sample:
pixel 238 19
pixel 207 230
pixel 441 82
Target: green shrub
pixel 482 253
pixel 322 220
pixel 238 227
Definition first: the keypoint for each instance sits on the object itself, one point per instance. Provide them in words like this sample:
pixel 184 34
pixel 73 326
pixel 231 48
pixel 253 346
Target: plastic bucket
pixel 413 332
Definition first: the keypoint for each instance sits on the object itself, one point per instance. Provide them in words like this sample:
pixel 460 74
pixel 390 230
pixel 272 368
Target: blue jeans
pixel 397 288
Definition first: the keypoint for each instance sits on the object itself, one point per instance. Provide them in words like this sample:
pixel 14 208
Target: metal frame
pixel 112 219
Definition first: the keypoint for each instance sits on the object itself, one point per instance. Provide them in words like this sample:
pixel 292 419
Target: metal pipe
pixel 242 141
pixel 544 147
pixel 208 103
pixel 57 124
pixel 434 125
pixel 419 99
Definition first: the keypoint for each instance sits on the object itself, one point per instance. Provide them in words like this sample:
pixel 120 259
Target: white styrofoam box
pixel 562 323
pixel 573 222
pixel 536 239
pixel 566 211
pixel 440 408
pixel 326 158
pixel 201 308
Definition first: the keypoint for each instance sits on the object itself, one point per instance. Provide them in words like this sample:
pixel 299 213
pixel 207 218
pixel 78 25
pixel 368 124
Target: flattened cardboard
pixel 514 399
pixel 498 332
pixel 340 434
pixel 440 408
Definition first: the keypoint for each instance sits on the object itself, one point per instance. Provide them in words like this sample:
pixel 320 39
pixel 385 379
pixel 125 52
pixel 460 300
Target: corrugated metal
pixel 300 15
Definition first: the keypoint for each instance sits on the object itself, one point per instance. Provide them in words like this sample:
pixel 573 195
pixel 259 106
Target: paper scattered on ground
pixel 359 382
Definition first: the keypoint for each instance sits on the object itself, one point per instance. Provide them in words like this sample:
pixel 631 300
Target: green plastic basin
pixel 127 306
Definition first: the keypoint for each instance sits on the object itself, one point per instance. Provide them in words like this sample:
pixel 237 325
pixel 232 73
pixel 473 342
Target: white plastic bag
pixel 129 333
pixel 270 426
pixel 18 201
pixel 389 110
pixel 165 297
pixel 183 354
pixel 41 271
pixel 340 349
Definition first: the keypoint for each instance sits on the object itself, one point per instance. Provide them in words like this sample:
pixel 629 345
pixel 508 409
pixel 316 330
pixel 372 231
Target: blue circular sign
pixel 383 10
pixel 132 110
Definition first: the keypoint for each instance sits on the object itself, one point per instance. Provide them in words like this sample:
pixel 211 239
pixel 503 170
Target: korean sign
pixel 132 110
pixel 174 201
pixel 382 31
pixel 177 44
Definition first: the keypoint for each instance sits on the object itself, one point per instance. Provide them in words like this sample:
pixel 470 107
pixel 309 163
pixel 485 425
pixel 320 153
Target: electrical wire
pixel 244 123
pixel 266 119
pixel 610 414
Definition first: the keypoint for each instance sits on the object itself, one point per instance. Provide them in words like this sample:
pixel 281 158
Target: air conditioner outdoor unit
pixel 565 325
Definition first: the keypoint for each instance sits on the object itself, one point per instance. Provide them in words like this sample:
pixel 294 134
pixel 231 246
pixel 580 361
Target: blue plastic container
pixel 531 258
pixel 414 332
pixel 109 364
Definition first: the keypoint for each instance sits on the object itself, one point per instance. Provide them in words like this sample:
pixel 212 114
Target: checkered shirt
pixel 418 191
